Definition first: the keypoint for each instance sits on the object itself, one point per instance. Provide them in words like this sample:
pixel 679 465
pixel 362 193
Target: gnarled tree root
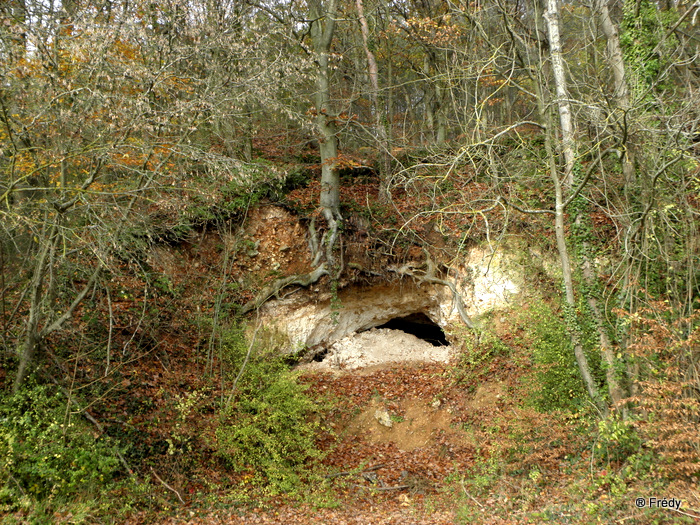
pixel 304 280
pixel 430 278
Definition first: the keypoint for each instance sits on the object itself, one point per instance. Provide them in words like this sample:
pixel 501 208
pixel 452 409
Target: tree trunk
pixel 620 86
pixel 322 29
pixel 36 299
pixel 621 95
pixel 617 393
pixel 567 277
pixel 568 148
pixel 379 117
pixel 565 259
pixel 551 17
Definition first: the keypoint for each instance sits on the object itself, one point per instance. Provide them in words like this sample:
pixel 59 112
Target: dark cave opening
pixel 320 356
pixel 421 326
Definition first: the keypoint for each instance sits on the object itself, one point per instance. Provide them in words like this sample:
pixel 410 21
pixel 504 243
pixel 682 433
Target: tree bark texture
pixel 551 17
pixel 322 28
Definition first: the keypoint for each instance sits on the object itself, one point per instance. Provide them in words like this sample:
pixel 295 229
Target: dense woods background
pixel 428 123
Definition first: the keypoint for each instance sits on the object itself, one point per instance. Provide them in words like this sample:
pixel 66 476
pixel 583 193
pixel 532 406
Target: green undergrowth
pixel 260 428
pixel 49 456
pixel 553 459
pixel 269 424
pixel 555 382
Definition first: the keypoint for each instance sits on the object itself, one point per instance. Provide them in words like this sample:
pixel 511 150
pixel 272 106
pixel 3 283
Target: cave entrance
pixel 421 326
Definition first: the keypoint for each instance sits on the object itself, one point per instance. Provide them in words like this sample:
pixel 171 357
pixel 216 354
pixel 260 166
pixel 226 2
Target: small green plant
pixel 181 440
pixel 478 350
pixel 535 475
pixel 486 471
pixel 271 432
pixel 397 418
pixel 617 439
pixel 163 284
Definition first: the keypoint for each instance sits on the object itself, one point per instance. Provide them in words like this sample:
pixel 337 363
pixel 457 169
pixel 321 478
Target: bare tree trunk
pixel 441 134
pixel 31 334
pixel 380 130
pixel 322 29
pixel 429 102
pixel 34 334
pixel 617 393
pixel 567 277
pixel 620 86
pixel 551 17
pixel 565 259
pixel 568 147
pixel 622 99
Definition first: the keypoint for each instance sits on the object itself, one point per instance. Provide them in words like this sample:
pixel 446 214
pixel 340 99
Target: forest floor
pixel 396 453
pixel 426 443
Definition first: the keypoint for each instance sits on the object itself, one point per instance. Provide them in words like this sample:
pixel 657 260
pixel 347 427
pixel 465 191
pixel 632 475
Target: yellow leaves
pixel 24 164
pixel 344 161
pixel 125 50
pixel 185 85
pixel 436 31
pixel 490 78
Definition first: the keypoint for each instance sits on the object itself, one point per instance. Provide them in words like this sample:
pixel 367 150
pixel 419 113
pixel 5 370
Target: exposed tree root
pixel 312 353
pixel 430 277
pixel 334 220
pixel 329 240
pixel 304 280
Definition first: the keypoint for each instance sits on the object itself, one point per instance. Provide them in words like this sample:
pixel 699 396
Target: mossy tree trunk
pixel 323 17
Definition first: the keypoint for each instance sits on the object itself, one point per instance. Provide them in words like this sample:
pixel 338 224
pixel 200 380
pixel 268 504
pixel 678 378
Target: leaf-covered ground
pixel 460 449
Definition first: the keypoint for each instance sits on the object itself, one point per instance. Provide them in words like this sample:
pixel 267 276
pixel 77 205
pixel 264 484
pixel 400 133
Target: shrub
pixel 665 351
pixel 617 439
pixel 479 349
pixel 270 428
pixel 557 382
pixel 45 454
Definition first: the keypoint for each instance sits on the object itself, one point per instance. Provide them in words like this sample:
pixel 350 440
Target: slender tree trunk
pixel 617 392
pixel 551 17
pixel 567 277
pixel 441 134
pixel 38 295
pixel 389 118
pixel 620 87
pixel 36 299
pixel 564 258
pixel 378 116
pixel 621 95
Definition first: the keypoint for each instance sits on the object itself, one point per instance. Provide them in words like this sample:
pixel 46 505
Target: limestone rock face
pixel 309 317
pixel 273 241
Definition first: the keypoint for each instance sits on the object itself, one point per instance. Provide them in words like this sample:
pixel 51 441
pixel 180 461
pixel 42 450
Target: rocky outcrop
pixel 485 280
